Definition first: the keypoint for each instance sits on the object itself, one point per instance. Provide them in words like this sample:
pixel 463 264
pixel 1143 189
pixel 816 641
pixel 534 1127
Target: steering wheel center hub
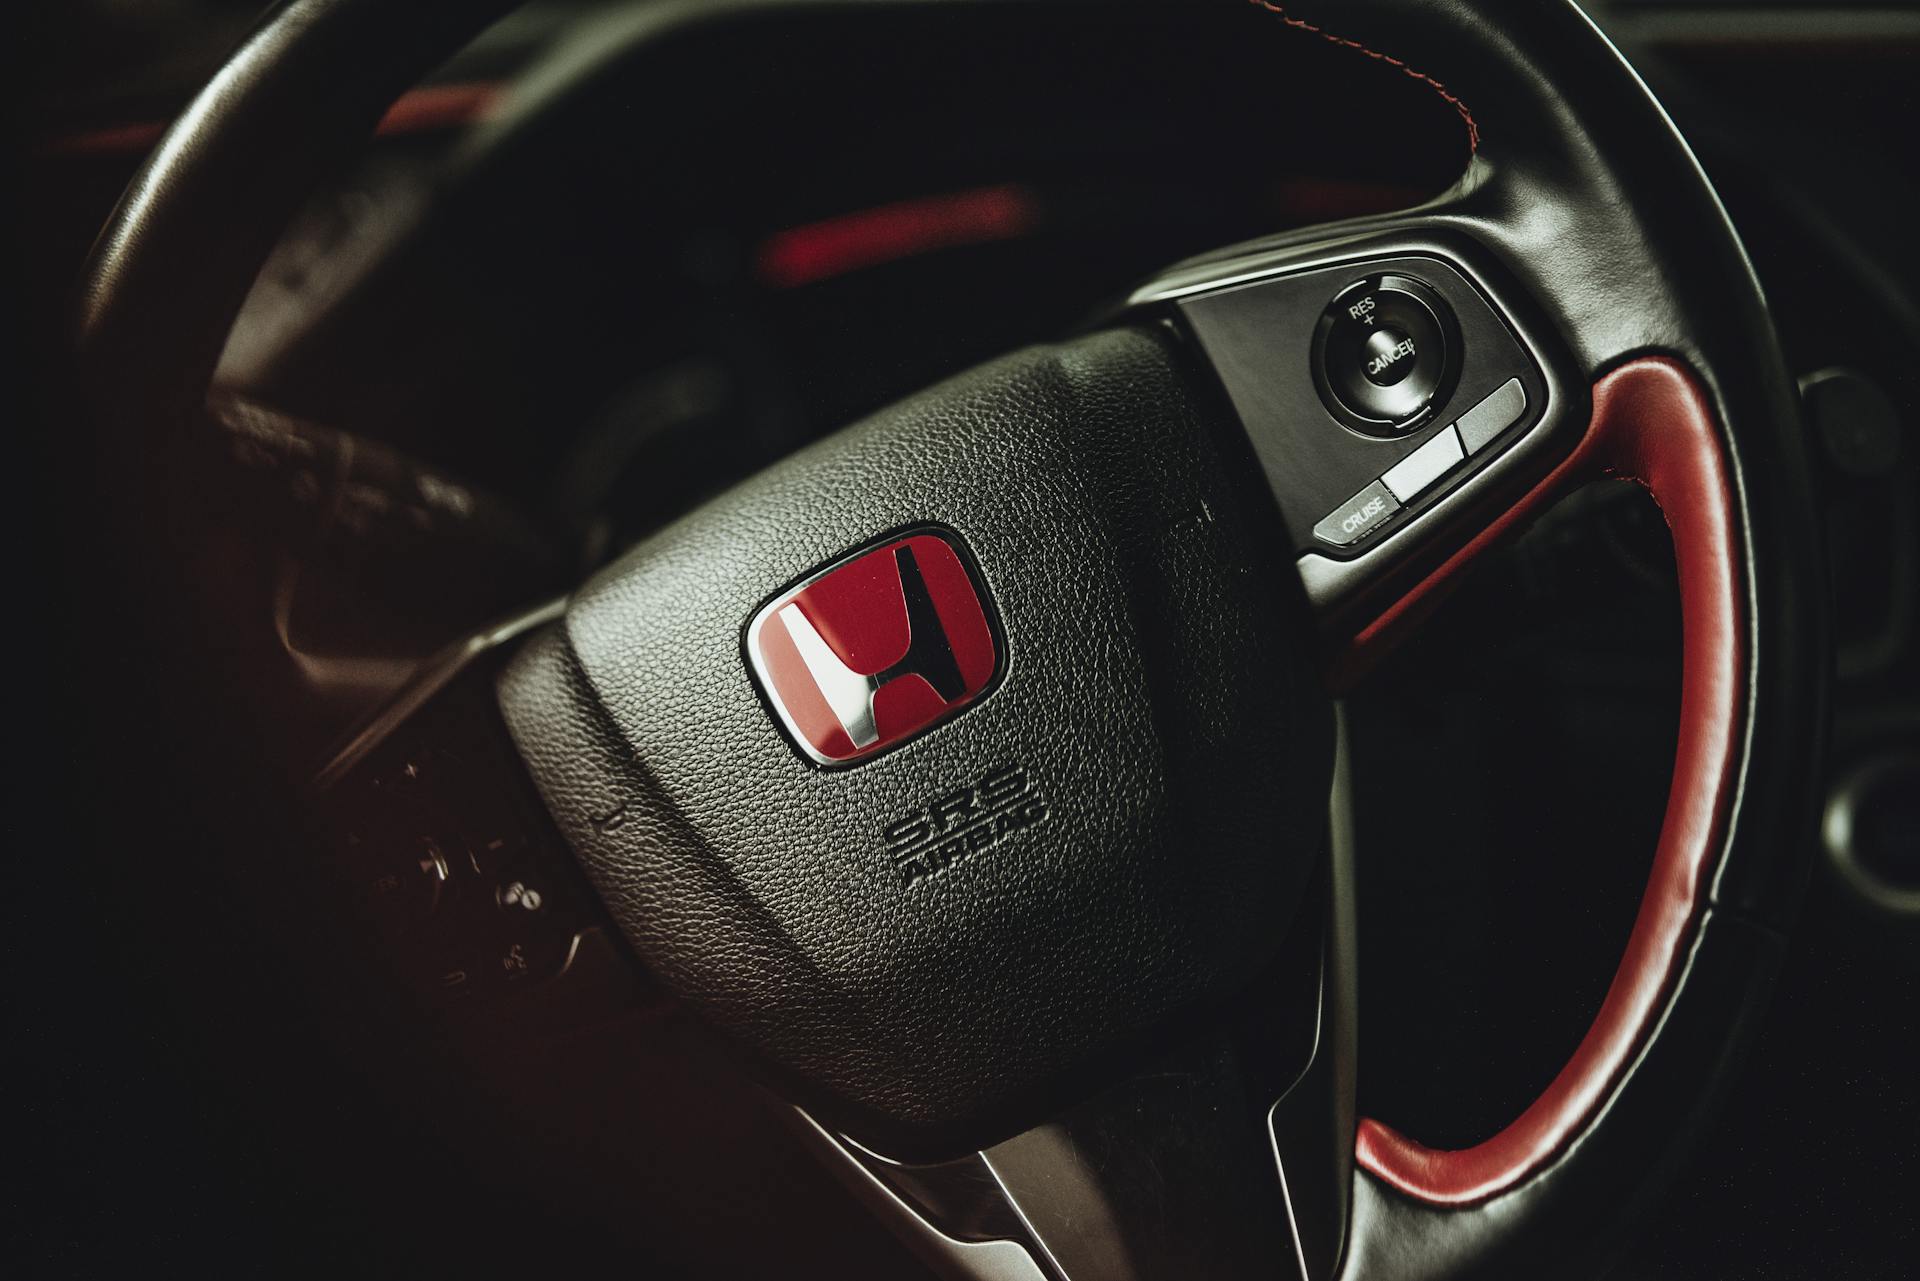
pixel 975 739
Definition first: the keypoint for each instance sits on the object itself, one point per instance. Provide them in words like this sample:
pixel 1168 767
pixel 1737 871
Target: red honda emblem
pixel 873 649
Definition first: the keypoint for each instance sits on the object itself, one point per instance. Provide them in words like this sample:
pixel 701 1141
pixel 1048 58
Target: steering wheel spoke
pixel 445 856
pixel 1228 1153
pixel 1400 390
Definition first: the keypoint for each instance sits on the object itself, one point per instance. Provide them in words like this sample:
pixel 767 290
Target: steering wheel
pixel 975 773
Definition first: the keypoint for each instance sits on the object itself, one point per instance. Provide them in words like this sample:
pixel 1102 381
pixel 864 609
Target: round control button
pixel 1388 356
pixel 1384 351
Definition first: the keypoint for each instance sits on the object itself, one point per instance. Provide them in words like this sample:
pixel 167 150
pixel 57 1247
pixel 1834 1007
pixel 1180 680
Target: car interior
pixel 1047 639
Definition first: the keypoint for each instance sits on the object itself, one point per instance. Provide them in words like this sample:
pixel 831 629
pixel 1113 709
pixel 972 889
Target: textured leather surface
pixel 1650 425
pixel 1572 1217
pixel 1156 693
pixel 170 269
pixel 1595 204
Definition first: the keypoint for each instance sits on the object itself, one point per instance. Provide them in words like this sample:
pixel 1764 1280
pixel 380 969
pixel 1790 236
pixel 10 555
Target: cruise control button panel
pixel 1371 387
pixel 1382 353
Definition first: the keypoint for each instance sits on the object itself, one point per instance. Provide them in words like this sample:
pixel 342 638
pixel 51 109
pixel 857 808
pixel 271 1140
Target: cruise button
pixel 1357 517
pixel 1482 424
pixel 1412 474
pixel 1389 355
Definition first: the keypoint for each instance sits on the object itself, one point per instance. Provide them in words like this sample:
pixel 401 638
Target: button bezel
pixel 1397 301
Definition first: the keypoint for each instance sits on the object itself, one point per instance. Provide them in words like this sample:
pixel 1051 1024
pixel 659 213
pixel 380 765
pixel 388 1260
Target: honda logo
pixel 873 649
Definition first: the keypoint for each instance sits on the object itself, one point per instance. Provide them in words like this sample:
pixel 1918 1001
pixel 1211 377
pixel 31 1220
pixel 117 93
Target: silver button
pixel 1486 420
pixel 1412 474
pixel 1357 517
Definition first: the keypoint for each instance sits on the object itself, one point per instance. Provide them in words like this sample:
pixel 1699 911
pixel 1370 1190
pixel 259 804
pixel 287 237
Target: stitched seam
pixel 1452 99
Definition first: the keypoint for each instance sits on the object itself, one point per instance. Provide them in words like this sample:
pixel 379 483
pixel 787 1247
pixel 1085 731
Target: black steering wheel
pixel 975 772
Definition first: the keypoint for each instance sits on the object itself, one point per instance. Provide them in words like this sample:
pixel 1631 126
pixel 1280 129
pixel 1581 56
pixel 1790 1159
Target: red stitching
pixel 1280 11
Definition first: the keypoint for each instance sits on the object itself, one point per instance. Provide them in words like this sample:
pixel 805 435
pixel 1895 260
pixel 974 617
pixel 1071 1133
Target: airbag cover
pixel 1157 733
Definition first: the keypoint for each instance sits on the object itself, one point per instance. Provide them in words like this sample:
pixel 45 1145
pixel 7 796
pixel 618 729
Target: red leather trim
pixel 1651 424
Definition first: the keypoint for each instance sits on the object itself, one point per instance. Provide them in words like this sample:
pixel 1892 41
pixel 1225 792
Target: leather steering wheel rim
pixel 1584 193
